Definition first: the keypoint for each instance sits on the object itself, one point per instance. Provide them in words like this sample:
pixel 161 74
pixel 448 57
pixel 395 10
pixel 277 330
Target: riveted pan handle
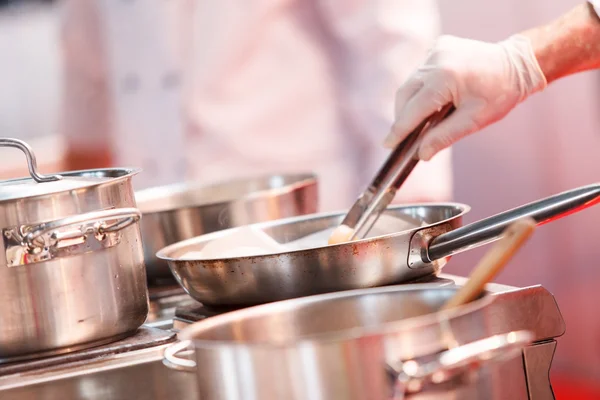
pixel 28 244
pixel 31 161
pixel 490 229
pixel 91 223
pixel 412 375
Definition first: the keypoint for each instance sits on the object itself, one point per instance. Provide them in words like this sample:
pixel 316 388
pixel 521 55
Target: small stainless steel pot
pixel 71 262
pixel 182 211
pixel 377 343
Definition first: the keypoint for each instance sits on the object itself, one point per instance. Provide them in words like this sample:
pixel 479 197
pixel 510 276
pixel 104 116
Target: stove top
pixel 132 367
pixel 142 339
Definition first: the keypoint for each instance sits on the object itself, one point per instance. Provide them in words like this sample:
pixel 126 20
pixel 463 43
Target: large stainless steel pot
pixel 398 255
pixel 364 344
pixel 182 211
pixel 71 263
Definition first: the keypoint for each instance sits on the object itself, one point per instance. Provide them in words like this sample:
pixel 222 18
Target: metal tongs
pixel 398 166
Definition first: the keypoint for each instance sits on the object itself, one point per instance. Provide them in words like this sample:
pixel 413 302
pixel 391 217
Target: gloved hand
pixel 484 81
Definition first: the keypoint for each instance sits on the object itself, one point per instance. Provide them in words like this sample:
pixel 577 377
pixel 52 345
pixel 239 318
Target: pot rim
pixel 167 253
pixel 344 335
pixel 127 172
pixel 153 194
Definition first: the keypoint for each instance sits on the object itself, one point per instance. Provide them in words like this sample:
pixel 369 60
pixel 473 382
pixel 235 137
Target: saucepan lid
pixel 39 185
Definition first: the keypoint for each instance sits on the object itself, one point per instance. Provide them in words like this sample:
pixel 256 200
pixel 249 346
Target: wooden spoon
pixel 492 263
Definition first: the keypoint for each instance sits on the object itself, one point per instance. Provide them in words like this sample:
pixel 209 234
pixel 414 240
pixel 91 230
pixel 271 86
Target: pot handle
pixel 490 229
pixel 124 216
pixel 171 360
pixel 31 161
pixel 98 230
pixel 410 375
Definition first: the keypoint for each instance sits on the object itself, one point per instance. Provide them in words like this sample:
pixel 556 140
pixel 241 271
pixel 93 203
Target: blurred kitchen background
pixel 547 145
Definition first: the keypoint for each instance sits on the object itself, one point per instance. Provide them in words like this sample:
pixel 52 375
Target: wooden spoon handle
pixel 494 260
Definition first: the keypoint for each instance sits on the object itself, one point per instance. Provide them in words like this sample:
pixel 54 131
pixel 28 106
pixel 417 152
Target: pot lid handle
pixel 31 162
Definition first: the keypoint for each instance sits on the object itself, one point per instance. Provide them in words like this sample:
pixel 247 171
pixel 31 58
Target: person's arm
pixel 569 44
pixel 485 81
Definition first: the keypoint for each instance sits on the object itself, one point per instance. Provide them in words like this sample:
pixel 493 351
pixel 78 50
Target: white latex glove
pixel 484 81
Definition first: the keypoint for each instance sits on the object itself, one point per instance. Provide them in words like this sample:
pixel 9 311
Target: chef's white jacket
pixel 211 90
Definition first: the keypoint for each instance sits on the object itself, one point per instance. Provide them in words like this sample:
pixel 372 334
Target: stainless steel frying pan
pixel 392 258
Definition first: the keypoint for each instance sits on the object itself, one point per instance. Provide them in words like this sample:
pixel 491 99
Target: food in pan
pixel 244 242
pixel 341 234
pixel 250 241
pixel 384 226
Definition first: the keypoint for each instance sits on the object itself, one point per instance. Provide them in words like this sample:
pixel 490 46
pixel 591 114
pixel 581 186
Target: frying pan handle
pixel 490 229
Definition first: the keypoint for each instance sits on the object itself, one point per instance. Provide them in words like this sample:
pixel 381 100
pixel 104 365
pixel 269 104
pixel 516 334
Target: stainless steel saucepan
pixel 182 211
pixel 72 270
pixel 378 343
pixel 399 256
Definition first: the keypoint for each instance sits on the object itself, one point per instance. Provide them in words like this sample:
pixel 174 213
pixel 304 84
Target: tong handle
pixel 31 161
pixel 394 172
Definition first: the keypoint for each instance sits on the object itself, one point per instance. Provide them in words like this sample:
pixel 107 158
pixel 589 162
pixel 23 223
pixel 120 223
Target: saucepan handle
pixel 411 374
pixel 171 360
pixel 490 229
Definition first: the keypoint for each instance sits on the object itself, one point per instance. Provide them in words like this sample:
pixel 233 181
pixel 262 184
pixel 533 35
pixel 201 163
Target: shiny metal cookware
pixel 396 257
pixel 71 262
pixel 391 176
pixel 377 343
pixel 183 211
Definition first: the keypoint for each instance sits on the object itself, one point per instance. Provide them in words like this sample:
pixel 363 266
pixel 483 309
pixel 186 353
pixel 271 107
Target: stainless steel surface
pixel 445 364
pixel 411 375
pixel 141 374
pixel 187 314
pixel 93 231
pixel 134 375
pixel 254 280
pixel 143 338
pixel 503 381
pixel 398 166
pixel 531 308
pixel 189 311
pixel 163 308
pixel 31 160
pixel 338 344
pixel 396 257
pixel 538 360
pixel 179 212
pixel 80 298
pixel 490 229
